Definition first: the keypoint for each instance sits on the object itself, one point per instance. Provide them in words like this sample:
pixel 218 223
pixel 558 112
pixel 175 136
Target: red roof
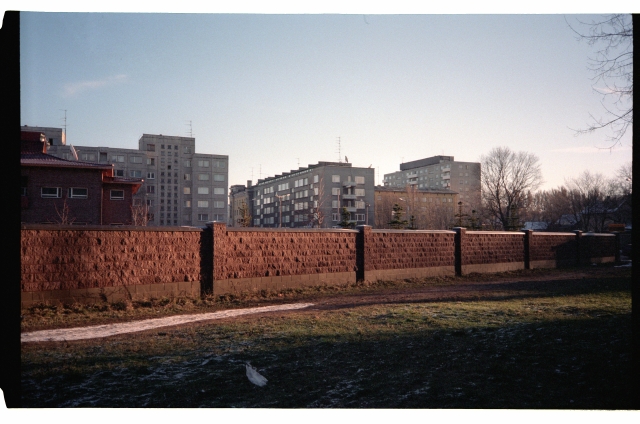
pixel 43 159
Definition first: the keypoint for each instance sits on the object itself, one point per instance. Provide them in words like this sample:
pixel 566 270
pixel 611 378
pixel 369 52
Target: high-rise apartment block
pixel 313 196
pixel 439 172
pixel 181 187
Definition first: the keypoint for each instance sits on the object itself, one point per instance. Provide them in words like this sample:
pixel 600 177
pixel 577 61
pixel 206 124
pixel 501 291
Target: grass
pixel 555 346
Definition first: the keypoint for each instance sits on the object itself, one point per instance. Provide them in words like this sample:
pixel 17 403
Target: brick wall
pixel 597 248
pixel 395 254
pixel 491 251
pixel 89 264
pixel 39 209
pixel 550 250
pixel 259 259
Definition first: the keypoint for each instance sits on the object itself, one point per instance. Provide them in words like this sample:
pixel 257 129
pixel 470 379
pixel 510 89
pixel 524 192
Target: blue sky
pixel 275 91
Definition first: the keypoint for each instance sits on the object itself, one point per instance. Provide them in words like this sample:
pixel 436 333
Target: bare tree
pixel 245 215
pixel 612 66
pixel 507 176
pixel 318 215
pixel 592 198
pixel 140 215
pixel 64 214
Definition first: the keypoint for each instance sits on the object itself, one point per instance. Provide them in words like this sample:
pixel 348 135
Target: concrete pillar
pixel 458 242
pixel 362 239
pixel 579 247
pixel 528 234
pixel 219 231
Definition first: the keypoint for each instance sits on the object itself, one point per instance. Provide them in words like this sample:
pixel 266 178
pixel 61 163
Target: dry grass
pixel 557 346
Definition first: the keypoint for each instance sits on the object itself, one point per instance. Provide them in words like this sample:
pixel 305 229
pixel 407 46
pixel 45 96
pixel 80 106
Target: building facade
pixel 314 197
pixel 60 191
pixel 423 209
pixel 240 205
pixel 440 172
pixel 181 187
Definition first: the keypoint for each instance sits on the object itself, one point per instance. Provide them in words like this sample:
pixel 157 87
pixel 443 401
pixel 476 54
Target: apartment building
pixel 314 196
pixel 439 172
pixel 424 209
pixel 181 187
pixel 239 204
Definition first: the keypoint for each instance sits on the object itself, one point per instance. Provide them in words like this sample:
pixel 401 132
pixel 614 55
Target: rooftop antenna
pixel 339 153
pixel 64 123
pixel 190 129
pixel 298 162
pixel 252 173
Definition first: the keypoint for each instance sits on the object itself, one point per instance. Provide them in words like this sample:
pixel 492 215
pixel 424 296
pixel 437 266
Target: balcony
pixel 349 196
pixel 349 184
pixel 351 208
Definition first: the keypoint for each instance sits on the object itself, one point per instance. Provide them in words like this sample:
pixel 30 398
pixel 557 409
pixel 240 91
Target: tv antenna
pixel 298 162
pixel 190 129
pixel 339 152
pixel 64 123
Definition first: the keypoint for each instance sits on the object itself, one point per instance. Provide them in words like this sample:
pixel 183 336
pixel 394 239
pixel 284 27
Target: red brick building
pixel 55 190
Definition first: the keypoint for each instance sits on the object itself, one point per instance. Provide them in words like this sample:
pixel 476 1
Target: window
pixel 187 203
pixel 151 147
pixel 175 147
pixel 218 177
pixel 103 156
pixel 203 203
pixel 186 190
pixel 219 164
pixel 359 204
pixel 78 193
pixel 88 156
pixel 335 191
pixel 187 164
pixel 203 217
pixel 151 189
pixel 335 178
pixel 203 163
pixel 359 192
pixel 315 178
pixel 135 174
pixel 187 177
pixel 151 175
pixel 117 158
pixel 218 190
pixel 151 161
pixel 53 192
pixel 150 202
pixel 119 172
pixel 335 217
pixel 203 177
pixel 117 195
pixel 219 205
pixel 187 149
pixel 359 217
pixel 334 204
pixel 203 190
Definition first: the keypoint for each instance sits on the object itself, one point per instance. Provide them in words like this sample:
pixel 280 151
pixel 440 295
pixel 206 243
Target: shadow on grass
pixel 574 364
pixel 496 291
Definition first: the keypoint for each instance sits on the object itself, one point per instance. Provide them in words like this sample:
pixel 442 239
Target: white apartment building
pixel 314 197
pixel 181 187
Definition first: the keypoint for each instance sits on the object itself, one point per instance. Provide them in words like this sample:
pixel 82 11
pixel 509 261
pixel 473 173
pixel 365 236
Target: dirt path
pixel 98 331
pixel 485 287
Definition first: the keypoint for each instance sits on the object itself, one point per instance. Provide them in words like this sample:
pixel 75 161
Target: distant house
pixel 535 226
pixel 55 190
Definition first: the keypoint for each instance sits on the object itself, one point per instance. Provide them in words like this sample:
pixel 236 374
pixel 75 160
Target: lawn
pixel 556 346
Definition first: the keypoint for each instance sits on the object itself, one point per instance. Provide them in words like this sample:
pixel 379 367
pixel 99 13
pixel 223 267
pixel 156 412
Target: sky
pixel 276 91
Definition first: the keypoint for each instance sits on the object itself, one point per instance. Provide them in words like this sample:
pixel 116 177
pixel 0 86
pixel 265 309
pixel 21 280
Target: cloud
pixel 73 88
